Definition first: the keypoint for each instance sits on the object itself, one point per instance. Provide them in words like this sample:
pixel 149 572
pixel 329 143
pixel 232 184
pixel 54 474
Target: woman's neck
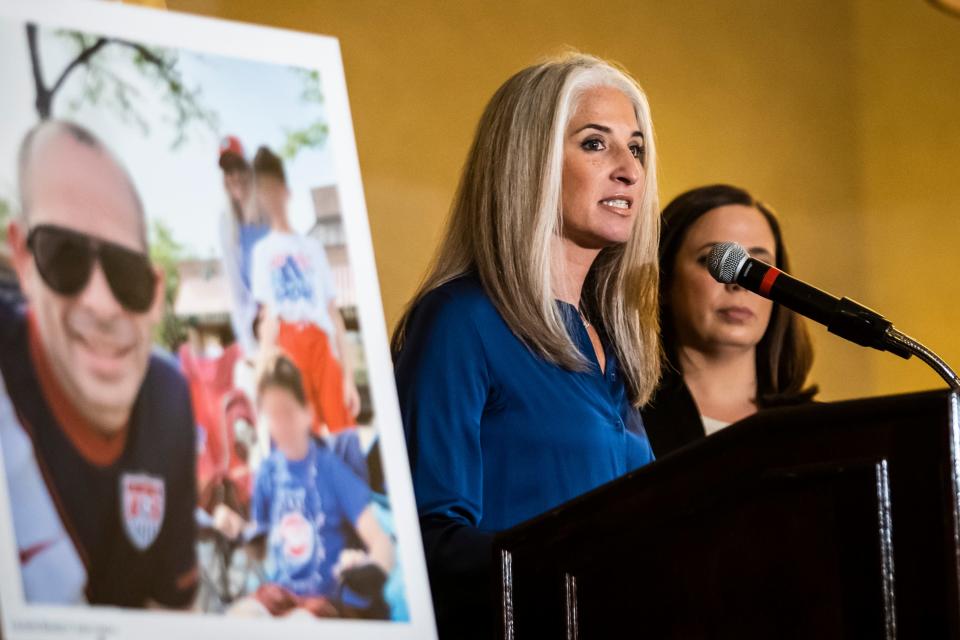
pixel 723 383
pixel 571 264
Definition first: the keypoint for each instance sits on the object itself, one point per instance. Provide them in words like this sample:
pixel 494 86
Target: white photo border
pixel 307 51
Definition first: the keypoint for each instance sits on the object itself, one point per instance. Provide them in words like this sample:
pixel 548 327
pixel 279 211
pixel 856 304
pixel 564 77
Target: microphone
pixel 730 263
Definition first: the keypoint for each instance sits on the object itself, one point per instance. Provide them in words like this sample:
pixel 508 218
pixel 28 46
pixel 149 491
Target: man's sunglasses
pixel 65 260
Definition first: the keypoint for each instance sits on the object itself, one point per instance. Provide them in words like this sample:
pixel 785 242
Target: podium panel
pixel 836 520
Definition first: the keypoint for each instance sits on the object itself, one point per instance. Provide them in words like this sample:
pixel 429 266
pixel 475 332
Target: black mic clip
pixel 864 326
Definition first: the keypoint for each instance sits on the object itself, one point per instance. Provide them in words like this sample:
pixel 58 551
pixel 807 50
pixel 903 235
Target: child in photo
pixel 326 552
pixel 293 283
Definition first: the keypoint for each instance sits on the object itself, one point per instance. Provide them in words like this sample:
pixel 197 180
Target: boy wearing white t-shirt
pixel 293 283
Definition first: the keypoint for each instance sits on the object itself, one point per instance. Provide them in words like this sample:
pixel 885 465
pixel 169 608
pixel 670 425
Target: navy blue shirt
pixel 129 514
pixel 497 434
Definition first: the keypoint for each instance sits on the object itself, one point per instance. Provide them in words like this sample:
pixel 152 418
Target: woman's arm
pixel 443 383
pixel 459 561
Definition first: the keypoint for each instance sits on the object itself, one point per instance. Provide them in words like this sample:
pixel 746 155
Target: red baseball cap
pixel 231 152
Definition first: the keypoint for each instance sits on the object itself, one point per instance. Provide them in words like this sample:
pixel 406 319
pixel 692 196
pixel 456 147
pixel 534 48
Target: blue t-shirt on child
pixel 308 509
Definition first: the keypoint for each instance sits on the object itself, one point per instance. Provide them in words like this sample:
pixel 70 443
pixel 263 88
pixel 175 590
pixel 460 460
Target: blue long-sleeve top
pixel 497 434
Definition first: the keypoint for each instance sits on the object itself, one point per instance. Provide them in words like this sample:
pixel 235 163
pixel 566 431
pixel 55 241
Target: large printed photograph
pixel 187 414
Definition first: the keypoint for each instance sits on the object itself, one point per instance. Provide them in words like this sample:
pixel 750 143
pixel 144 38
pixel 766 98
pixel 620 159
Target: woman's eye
pixel 593 144
pixel 702 260
pixel 638 151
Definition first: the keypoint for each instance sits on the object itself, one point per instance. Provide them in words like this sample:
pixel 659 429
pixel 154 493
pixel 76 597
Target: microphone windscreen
pixel 725 261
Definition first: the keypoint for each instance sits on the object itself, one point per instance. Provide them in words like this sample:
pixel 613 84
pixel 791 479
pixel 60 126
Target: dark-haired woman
pixel 729 352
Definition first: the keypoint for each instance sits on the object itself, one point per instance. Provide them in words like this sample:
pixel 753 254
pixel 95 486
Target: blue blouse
pixel 496 434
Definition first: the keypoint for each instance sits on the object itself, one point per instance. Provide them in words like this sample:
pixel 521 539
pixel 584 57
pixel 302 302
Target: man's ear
pixel 19 253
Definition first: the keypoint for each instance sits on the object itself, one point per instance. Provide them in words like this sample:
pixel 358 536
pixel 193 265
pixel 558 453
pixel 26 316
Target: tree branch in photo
pixel 105 86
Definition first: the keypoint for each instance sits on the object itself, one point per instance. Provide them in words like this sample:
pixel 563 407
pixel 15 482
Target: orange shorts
pixel 309 348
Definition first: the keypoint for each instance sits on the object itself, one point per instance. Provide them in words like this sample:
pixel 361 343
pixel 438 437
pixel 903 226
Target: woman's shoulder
pixel 460 300
pixel 455 317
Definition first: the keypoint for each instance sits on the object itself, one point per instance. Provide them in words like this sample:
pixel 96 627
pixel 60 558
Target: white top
pixel 243 309
pixel 712 425
pixel 291 275
pixel 54 573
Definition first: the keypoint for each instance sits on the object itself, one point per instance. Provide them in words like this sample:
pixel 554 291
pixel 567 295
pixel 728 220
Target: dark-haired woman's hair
pixel 280 372
pixel 784 354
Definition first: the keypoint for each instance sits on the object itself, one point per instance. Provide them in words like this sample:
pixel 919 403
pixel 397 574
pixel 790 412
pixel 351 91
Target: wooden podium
pixel 836 520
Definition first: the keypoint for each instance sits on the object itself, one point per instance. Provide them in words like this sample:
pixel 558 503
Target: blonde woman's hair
pixel 508 208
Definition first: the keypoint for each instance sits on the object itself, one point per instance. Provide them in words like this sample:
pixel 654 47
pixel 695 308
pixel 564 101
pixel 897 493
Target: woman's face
pixel 709 316
pixel 603 171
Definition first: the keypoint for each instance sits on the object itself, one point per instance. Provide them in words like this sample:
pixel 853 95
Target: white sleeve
pixel 231 256
pixel 54 574
pixel 240 296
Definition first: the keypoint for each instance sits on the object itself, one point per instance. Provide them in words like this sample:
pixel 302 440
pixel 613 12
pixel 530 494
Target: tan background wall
pixel 908 86
pixel 844 115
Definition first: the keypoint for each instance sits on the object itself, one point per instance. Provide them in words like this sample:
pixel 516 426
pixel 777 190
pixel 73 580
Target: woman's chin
pixel 735 341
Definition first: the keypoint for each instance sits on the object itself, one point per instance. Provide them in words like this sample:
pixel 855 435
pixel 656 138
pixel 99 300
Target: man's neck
pixel 105 422
pixel 98 434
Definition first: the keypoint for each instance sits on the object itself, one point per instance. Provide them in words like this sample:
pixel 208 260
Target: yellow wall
pixel 810 105
pixel 908 87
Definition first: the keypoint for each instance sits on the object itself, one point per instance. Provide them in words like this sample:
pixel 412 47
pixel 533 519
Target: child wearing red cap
pixel 242 226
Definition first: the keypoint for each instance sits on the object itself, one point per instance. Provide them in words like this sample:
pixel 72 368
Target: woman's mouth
pixel 619 205
pixel 735 314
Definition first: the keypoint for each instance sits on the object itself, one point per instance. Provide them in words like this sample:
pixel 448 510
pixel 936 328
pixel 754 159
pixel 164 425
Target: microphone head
pixel 725 261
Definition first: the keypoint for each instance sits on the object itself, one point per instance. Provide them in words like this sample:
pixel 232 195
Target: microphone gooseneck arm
pixel 934 361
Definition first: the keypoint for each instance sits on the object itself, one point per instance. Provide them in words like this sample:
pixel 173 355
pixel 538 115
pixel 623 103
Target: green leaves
pixel 166 253
pixel 314 135
pixel 107 83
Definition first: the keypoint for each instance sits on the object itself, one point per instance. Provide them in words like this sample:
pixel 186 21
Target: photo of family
pixel 188 417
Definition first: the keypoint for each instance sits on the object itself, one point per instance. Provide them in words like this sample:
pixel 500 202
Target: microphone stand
pixel 935 362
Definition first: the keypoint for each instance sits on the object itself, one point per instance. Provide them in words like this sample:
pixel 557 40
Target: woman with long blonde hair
pixel 523 356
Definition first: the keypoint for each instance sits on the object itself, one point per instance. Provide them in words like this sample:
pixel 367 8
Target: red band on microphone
pixel 768 280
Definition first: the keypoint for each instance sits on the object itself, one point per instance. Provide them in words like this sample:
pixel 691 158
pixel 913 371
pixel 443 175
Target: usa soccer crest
pixel 142 504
